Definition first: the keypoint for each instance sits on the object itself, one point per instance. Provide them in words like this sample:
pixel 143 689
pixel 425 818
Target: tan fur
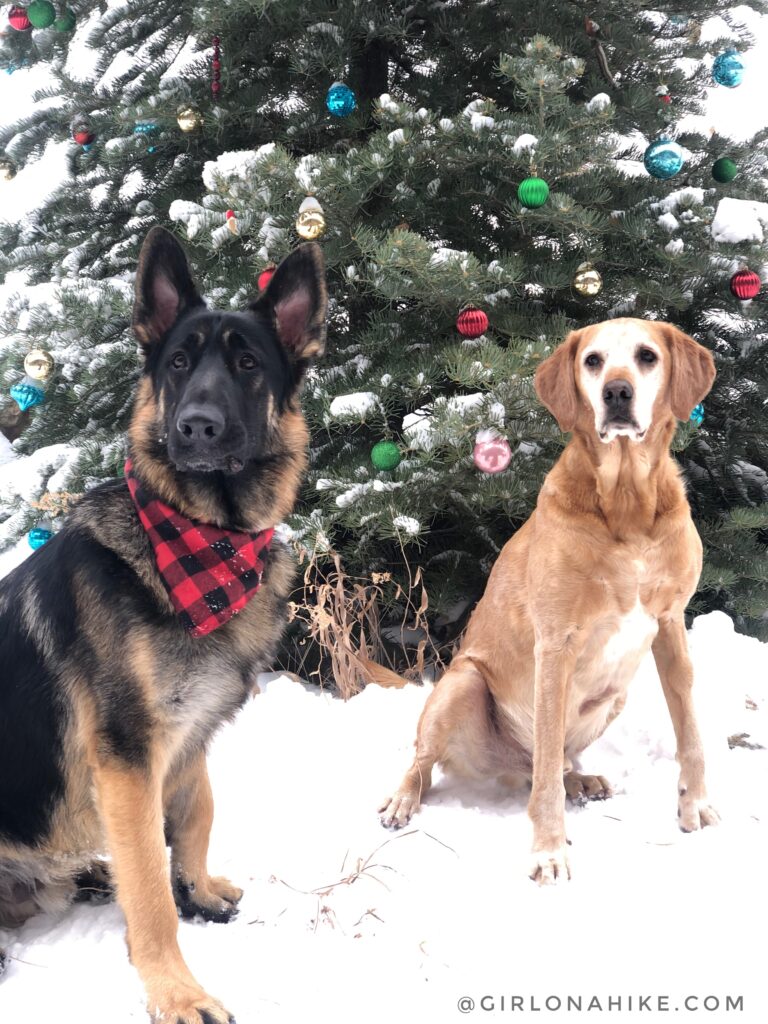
pixel 130 804
pixel 602 571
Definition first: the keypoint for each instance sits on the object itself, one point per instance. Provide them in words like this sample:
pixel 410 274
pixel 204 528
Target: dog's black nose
pixel 201 423
pixel 617 394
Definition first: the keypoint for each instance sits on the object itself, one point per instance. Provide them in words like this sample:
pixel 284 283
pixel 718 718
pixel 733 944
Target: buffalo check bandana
pixel 210 573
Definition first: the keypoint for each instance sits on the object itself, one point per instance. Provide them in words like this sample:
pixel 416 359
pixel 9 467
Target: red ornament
pixel 265 277
pixel 17 18
pixel 492 453
pixel 665 98
pixel 83 137
pixel 745 284
pixel 471 322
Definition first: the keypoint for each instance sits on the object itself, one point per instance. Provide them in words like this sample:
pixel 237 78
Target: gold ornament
pixel 7 168
pixel 189 119
pixel 310 223
pixel 38 364
pixel 587 281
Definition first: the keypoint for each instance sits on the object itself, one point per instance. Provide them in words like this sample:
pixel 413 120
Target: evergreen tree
pixel 456 104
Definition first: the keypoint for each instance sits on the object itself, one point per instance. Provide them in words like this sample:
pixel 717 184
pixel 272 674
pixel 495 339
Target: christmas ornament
pixel 83 137
pixel 663 158
pixel 38 364
pixel 26 394
pixel 216 68
pixel 340 100
pixel 41 13
pixel 724 170
pixel 39 535
pixel 492 453
pixel 17 18
pixel 728 69
pixel 471 322
pixel 533 192
pixel 310 223
pixel 15 67
pixel 147 129
pixel 7 168
pixel 745 284
pixel 82 131
pixel 189 119
pixel 232 222
pixel 385 455
pixel 266 276
pixel 662 91
pixel 65 22
pixel 697 414
pixel 587 281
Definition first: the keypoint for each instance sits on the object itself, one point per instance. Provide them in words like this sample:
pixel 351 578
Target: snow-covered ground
pixel 343 921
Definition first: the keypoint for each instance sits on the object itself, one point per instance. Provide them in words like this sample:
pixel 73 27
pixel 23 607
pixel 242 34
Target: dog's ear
pixel 692 371
pixel 555 383
pixel 164 287
pixel 295 300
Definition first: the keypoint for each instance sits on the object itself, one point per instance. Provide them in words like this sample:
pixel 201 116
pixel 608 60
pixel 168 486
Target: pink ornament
pixel 492 455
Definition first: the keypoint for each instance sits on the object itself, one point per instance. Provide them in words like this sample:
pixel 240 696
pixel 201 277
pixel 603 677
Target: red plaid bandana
pixel 210 573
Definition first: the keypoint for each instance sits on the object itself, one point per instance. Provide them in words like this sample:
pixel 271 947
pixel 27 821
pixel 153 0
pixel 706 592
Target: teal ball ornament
pixel 26 394
pixel 340 100
pixel 385 455
pixel 697 415
pixel 38 536
pixel 724 170
pixel 728 69
pixel 663 159
pixel 533 192
pixel 41 13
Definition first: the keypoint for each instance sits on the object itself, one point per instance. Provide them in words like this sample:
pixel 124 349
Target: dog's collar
pixel 210 573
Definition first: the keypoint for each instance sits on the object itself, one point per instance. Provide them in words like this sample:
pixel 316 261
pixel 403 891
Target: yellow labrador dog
pixel 602 570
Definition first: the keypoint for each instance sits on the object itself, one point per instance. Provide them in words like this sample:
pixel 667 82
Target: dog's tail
pixel 372 672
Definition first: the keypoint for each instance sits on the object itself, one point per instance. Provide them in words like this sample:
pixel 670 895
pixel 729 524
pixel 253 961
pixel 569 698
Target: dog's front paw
pixel 581 788
pixel 178 1001
pixel 550 866
pixel 695 812
pixel 396 811
pixel 214 899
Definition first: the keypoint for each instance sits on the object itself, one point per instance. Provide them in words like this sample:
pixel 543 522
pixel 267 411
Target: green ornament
pixel 724 170
pixel 41 13
pixel 66 22
pixel 533 192
pixel 385 455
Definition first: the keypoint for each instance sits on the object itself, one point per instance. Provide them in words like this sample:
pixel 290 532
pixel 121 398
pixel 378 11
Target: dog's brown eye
pixel 647 355
pixel 179 361
pixel 247 362
pixel 593 360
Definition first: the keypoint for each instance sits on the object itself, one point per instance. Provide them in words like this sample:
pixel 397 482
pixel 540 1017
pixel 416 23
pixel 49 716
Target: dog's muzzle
pixel 200 432
pixel 619 419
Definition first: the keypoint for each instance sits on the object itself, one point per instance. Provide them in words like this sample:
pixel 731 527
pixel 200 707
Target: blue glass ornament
pixel 26 394
pixel 728 69
pixel 87 147
pixel 38 536
pixel 664 158
pixel 697 415
pixel 340 100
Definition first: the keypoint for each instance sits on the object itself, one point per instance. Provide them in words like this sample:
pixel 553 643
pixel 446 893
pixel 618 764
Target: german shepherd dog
pixel 108 697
